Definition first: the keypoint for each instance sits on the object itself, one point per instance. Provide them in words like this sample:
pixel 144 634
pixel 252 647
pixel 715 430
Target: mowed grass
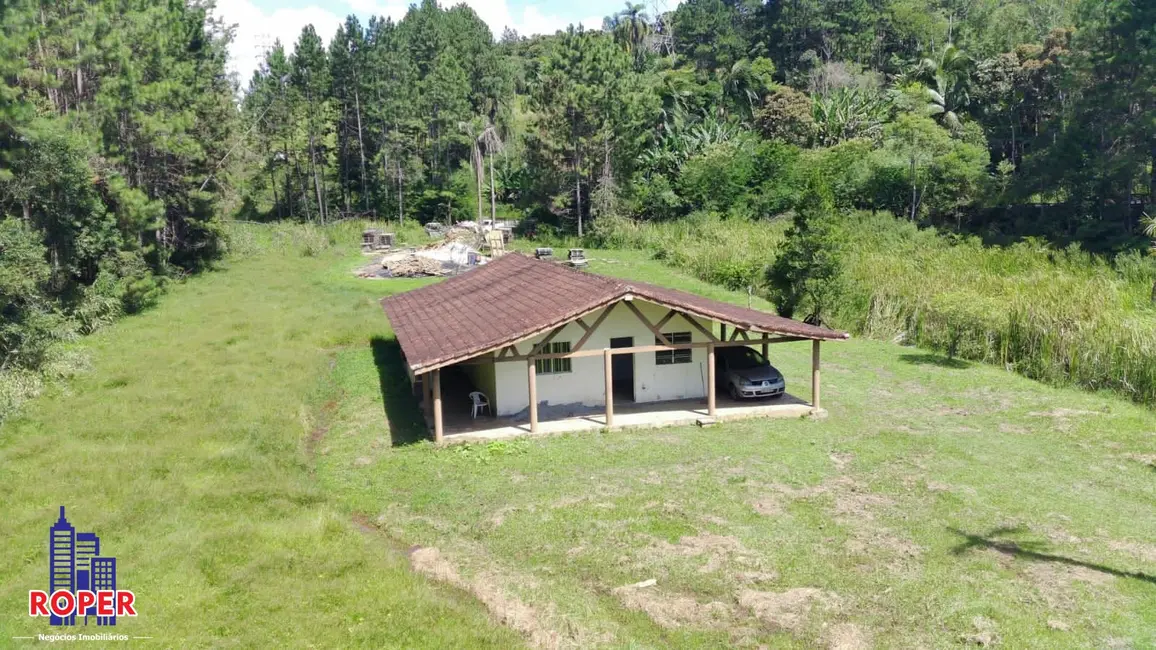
pixel 187 451
pixel 244 451
pixel 942 503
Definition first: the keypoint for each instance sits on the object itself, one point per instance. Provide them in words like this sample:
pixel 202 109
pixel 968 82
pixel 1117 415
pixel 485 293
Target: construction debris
pixel 578 258
pixel 456 251
pixel 373 239
pixel 413 266
pixel 496 243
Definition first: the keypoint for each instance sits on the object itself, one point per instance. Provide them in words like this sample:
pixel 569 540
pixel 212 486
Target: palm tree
pixel 740 85
pixel 473 132
pixel 631 27
pixel 490 139
pixel 947 83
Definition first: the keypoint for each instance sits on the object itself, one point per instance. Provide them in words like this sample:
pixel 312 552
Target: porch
pixel 460 426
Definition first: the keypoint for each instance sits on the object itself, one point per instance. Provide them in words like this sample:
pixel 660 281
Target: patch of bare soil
pixel 841 460
pixel 853 502
pixel 1004 427
pixel 317 433
pixel 767 506
pixel 674 610
pixel 707 543
pixel 717 553
pixel 1057 575
pixel 785 610
pixel 951 410
pixel 857 508
pixel 1062 413
pixel 912 388
pixel 719 550
pixel 985 633
pixel 1140 550
pixel 990 399
pixel 847 636
pixel 1060 586
pixel 1145 459
pixel 507 609
pixel 756 577
pixel 936 486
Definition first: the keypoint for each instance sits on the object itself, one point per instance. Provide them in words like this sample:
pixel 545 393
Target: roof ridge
pixel 505 301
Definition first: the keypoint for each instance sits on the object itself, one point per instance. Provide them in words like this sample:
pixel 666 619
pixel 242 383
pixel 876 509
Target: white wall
pixel 584 385
pixel 483 375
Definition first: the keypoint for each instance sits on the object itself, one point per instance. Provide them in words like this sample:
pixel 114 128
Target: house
pixel 537 336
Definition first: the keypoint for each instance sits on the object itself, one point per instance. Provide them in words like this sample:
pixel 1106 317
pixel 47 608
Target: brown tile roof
pixel 516 297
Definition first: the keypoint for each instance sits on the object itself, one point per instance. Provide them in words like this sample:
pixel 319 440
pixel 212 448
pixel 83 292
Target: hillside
pixel 187 449
pixel 260 473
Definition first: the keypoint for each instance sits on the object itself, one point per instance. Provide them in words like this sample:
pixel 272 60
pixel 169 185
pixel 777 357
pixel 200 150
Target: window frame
pixel 555 366
pixel 674 357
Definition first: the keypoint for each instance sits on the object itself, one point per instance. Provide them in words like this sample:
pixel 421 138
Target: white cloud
pixel 257 28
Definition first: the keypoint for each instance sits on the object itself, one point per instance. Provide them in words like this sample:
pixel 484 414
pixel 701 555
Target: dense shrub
pixel 718 177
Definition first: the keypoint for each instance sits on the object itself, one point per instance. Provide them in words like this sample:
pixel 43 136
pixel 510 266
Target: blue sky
pixel 260 22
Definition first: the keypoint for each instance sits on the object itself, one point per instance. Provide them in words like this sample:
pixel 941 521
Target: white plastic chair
pixel 479 402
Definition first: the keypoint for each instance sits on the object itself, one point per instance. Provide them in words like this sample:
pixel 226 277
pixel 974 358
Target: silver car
pixel 745 373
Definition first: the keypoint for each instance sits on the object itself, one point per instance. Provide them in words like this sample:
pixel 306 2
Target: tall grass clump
pixel 1063 316
pixel 247 238
pixel 733 253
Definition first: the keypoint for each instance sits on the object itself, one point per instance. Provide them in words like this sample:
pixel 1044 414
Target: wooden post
pixel 815 374
pixel 532 373
pixel 427 394
pixel 437 405
pixel 607 360
pixel 710 380
pixel 766 350
pixel 722 331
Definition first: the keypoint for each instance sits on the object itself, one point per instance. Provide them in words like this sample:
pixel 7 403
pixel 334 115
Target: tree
pixel 807 273
pixel 947 81
pixel 631 29
pixel 1104 149
pixel 787 115
pixel 311 87
pixel 584 111
pixel 942 173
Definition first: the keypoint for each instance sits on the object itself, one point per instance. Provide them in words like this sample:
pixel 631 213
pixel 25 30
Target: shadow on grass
pixel 406 423
pixel 935 360
pixel 1035 551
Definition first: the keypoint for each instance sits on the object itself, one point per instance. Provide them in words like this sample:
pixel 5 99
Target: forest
pixel 1003 117
pixel 126 147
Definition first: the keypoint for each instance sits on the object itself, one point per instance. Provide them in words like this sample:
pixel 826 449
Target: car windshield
pixel 744 359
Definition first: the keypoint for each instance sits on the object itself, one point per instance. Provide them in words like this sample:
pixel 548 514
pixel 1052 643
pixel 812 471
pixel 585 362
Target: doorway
pixel 622 370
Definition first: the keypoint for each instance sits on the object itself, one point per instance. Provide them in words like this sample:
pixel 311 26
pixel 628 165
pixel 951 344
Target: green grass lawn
pixel 243 449
pixel 186 451
pixel 942 503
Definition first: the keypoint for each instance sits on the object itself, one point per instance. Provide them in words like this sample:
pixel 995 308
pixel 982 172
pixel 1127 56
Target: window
pixel 554 366
pixel 669 357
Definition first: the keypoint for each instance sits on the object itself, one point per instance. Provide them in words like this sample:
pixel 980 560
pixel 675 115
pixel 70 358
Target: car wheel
pixel 734 391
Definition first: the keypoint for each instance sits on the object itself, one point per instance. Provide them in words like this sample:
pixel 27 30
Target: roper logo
pixel 81 581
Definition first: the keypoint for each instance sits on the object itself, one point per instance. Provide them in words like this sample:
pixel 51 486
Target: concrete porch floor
pixel 460 427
